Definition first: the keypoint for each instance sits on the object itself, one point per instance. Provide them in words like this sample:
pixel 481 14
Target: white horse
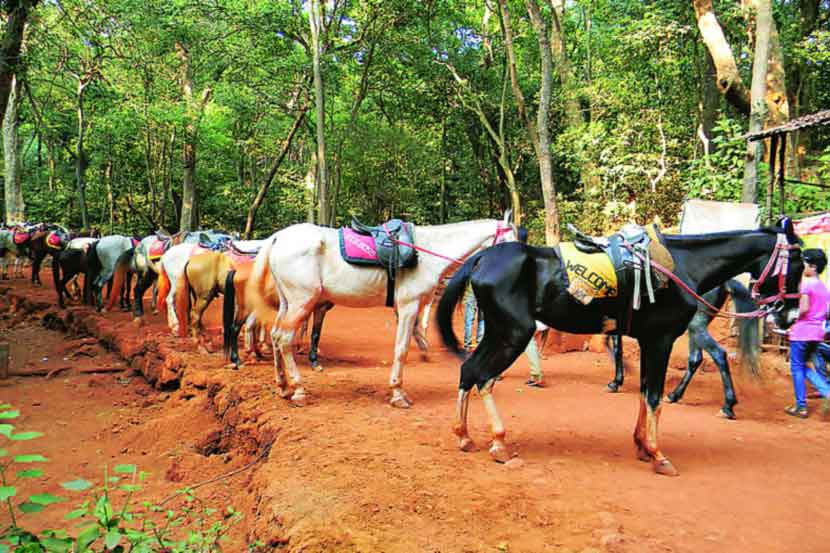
pixel 308 271
pixel 171 267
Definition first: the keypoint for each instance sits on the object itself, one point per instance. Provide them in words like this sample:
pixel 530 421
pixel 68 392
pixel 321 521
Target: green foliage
pixel 719 177
pixel 108 518
pixel 399 140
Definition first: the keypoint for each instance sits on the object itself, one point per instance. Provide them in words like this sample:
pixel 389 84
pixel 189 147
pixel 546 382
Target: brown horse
pixel 203 278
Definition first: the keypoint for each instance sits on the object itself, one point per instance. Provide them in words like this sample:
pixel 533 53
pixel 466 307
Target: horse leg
pixel 616 350
pixel 154 295
pixel 319 316
pixel 36 262
pixel 421 326
pixel 282 339
pixel 407 315
pixel 196 330
pixel 695 360
pixel 465 443
pixel 718 355
pixel 654 360
pixel 142 282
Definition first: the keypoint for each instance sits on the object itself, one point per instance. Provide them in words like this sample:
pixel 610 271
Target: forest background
pixel 137 115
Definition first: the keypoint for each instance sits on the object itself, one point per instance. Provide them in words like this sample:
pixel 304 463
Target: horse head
pixel 778 276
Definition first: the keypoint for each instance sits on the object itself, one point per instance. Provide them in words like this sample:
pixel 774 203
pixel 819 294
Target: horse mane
pixel 688 239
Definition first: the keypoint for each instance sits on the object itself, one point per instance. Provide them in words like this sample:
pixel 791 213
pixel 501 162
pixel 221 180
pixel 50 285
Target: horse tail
pixel 119 275
pixel 228 313
pixel 749 338
pixel 452 296
pixel 162 289
pixel 182 301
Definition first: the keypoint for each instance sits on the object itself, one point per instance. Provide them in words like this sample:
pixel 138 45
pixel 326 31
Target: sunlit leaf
pixel 30 458
pixel 77 485
pixel 45 499
pixel 22 436
pixel 30 473
pixel 6 492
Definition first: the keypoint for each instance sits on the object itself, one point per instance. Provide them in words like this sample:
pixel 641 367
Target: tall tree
pixel 15 207
pixel 315 19
pixel 728 78
pixel 755 150
pixel 17 13
pixel 538 135
pixel 194 110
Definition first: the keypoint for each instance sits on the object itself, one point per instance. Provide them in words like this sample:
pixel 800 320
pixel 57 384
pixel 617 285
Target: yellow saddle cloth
pixel 591 275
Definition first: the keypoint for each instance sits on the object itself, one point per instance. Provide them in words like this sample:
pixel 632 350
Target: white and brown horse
pixel 308 271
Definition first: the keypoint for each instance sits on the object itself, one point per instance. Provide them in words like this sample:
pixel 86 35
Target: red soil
pixel 350 473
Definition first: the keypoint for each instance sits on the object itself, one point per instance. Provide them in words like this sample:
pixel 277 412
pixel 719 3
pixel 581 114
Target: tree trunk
pixel 80 156
pixel 755 150
pixel 310 182
pixel 194 110
pixel 316 20
pixel 18 13
pixel 15 207
pixel 260 197
pixel 710 104
pixel 728 79
pixel 110 195
pixel 542 116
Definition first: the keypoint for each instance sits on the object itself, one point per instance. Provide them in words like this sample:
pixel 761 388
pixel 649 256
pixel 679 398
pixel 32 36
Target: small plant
pixel 109 518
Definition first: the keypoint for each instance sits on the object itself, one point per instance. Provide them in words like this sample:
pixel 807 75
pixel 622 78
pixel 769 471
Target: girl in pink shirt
pixel 808 332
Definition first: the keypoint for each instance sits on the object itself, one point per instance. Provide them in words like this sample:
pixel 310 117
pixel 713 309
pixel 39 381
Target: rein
pixel 500 230
pixel 778 264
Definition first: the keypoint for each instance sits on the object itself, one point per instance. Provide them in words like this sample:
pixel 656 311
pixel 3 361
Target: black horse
pixel 69 263
pixel 700 340
pixel 517 284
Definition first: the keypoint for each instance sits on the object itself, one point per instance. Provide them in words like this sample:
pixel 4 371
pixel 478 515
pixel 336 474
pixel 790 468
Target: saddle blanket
pixel 54 241
pixel 157 249
pixel 591 275
pixel 358 248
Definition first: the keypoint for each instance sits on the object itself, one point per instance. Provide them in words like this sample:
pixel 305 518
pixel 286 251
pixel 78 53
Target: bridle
pixel 501 230
pixel 778 265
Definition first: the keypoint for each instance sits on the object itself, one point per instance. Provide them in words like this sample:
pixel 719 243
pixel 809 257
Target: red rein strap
pixel 779 259
pixel 500 230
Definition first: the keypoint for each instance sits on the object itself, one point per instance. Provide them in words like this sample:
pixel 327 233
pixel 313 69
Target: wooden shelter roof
pixel 811 120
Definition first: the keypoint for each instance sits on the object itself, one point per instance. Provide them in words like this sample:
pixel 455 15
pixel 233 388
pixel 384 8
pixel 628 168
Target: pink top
pixel 810 325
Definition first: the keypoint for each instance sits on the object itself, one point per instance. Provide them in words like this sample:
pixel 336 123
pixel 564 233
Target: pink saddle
pixel 21 237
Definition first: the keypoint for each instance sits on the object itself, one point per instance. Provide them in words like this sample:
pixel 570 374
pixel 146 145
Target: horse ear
pixel 508 216
pixel 789 229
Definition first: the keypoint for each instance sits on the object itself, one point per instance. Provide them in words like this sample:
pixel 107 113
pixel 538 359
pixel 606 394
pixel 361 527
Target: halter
pixel 501 230
pixel 778 265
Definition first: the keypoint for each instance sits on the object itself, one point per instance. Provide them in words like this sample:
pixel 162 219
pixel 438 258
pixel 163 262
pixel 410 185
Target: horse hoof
pixel 467 445
pixel 400 402
pixel 317 367
pixel 284 393
pixel 666 468
pixel 671 398
pixel 499 453
pixel 298 399
pixel 613 388
pixel 137 321
pixel 643 455
pixel 726 414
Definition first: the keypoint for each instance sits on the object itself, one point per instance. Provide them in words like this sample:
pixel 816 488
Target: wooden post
pixel 4 360
pixel 773 145
pixel 782 197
